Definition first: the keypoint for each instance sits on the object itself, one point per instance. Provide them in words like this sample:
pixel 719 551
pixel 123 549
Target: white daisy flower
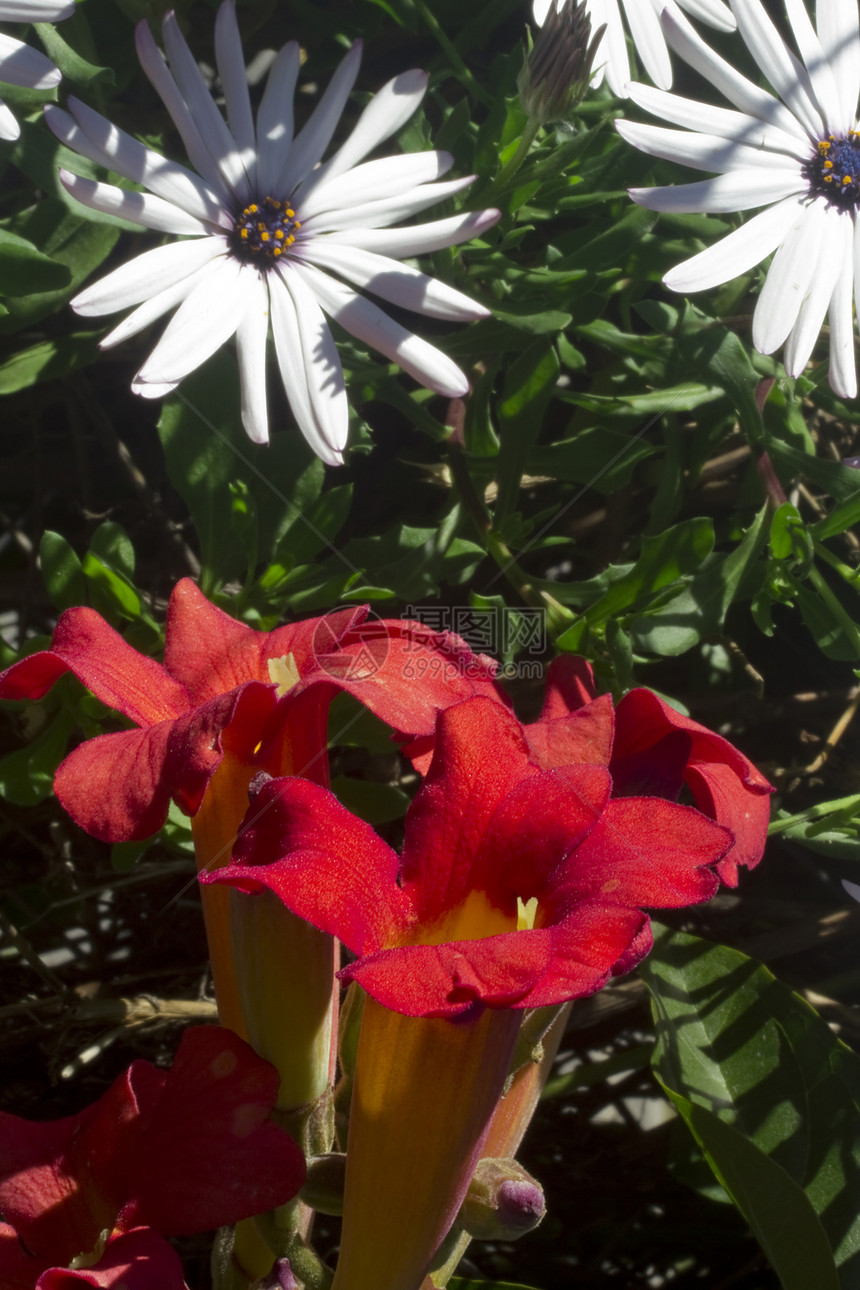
pixel 643 20
pixel 21 65
pixel 797 155
pixel 266 228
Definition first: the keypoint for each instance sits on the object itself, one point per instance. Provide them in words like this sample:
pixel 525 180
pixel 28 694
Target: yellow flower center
pixel 283 673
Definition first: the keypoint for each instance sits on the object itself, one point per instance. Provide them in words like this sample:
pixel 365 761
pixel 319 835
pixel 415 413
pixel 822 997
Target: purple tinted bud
pixel 503 1202
pixel 281 1277
pixel 521 1204
pixel 853 462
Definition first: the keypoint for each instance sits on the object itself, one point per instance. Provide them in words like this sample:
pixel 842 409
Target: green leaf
pixel 665 557
pixel 48 360
pixel 27 775
pixel 375 803
pixel 837 480
pixel 788 536
pixel 24 270
pixel 61 571
pixel 782 1219
pixel 528 388
pixel 471 1283
pixel 718 354
pixel 736 1042
pixel 701 607
pixel 842 517
pixel 600 457
pixel 74 68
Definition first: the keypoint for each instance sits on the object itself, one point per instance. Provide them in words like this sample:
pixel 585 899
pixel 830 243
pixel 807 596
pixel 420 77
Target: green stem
pixel 850 628
pixel 851 576
pixel 452 53
pixel 839 806
pixel 510 168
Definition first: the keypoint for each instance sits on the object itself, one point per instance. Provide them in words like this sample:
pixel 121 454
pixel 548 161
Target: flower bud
pixel 556 73
pixel 503 1202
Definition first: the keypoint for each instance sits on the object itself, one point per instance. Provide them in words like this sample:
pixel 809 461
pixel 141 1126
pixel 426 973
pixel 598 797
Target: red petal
pixel 592 943
pixel 83 643
pixel 449 980
pixel 583 736
pixel 643 852
pixel 137 1260
pixel 322 862
pixel 534 827
pixel 569 686
pixel 114 786
pixel 18 1269
pixel 206 650
pixel 715 791
pixel 208 1156
pixel 724 783
pixel 481 754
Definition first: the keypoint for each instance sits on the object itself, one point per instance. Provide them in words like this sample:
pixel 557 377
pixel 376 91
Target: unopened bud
pixel 556 73
pixel 281 1277
pixel 503 1202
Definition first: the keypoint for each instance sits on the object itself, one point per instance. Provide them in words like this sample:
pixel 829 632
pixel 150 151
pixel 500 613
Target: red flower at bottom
pixel 88 1199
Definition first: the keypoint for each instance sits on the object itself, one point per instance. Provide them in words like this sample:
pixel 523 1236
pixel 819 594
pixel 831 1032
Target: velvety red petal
pixel 534 827
pixel 643 852
pixel 569 686
pixel 322 862
pixel 38 1196
pixel 208 1156
pixel 115 787
pixel 195 746
pixel 18 1269
pixel 642 720
pixel 582 736
pixel 136 1260
pixel 449 980
pixel 481 754
pixel 657 771
pixel 205 649
pixel 717 792
pixel 593 942
pixel 85 644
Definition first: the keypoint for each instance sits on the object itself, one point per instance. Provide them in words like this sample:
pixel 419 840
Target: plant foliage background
pixel 681 511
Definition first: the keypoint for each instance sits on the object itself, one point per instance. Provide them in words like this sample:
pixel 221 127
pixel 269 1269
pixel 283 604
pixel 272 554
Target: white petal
pixel 275 120
pixel 820 72
pixel 313 139
pixel 36 10
pixel 232 162
pixel 251 336
pixel 852 888
pixel 839 33
pixel 146 275
pixel 613 50
pixel 326 385
pixel 154 65
pixel 737 191
pixel 703 151
pixel 9 127
pixel 95 137
pixel 21 65
pixel 713 12
pixel 207 318
pixel 843 372
pixel 139 208
pixel 288 344
pixel 149 312
pixel 418 239
pixel 379 214
pixel 745 96
pixel 397 283
pixel 363 319
pixel 386 113
pixel 387 177
pixel 231 69
pixel 737 252
pixel 726 122
pixel 650 44
pixel 787 281
pixel 831 226
pixel 781 68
